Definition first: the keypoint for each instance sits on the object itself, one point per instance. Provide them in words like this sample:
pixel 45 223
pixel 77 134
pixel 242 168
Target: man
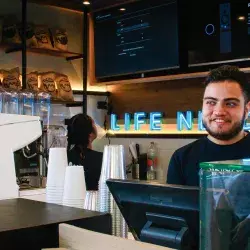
pixel 226 103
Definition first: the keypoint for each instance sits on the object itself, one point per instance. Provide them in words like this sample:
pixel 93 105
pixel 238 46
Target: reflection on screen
pixel 218 32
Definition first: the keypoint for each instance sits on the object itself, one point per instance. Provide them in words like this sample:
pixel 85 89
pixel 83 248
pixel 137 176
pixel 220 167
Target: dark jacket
pixel 92 164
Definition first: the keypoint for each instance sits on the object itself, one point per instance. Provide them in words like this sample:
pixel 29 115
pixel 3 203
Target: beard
pixel 227 135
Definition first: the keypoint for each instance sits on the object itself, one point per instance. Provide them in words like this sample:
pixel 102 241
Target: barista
pixel 226 104
pixel 81 134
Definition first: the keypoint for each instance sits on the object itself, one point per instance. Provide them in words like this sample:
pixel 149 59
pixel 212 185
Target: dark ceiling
pixel 100 4
pixel 78 4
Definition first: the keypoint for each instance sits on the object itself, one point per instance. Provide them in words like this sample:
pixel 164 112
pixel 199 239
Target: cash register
pixel 160 214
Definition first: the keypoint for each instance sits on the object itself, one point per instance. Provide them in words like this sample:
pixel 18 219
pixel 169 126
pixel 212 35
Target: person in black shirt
pixel 225 108
pixel 184 164
pixel 81 133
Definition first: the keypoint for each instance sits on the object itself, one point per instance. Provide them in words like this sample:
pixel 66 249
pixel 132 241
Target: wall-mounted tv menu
pixel 136 38
pixel 218 31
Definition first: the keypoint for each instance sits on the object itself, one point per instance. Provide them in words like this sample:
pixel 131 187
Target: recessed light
pixel 86 2
pixel 122 9
pixel 241 18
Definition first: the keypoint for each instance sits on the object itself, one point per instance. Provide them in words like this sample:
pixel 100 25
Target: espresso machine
pixel 30 162
pixel 16 132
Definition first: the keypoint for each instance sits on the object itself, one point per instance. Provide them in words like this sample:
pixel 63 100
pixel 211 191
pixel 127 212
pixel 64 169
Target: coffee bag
pixel 10 79
pixel 48 83
pixel 42 35
pixel 32 81
pixel 64 87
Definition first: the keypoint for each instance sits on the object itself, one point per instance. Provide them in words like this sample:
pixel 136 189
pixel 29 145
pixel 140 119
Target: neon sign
pixel 185 121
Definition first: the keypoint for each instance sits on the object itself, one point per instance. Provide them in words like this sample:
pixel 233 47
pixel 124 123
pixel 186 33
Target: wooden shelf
pixel 153 79
pixel 160 78
pixel 10 48
pixel 68 103
pixel 94 93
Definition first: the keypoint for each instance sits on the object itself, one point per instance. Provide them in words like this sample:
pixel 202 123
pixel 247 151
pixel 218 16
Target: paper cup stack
pixel 56 175
pixel 113 166
pixel 74 187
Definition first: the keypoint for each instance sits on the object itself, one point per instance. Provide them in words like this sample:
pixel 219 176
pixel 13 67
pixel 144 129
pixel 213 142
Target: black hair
pixel 79 129
pixel 230 73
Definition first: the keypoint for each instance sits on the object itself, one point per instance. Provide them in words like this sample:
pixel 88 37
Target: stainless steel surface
pixel 90 202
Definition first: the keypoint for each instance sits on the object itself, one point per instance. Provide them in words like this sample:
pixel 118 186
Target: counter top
pixel 33 225
pixel 22 213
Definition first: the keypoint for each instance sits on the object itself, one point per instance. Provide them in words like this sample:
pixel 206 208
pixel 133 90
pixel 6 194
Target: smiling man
pixel 226 103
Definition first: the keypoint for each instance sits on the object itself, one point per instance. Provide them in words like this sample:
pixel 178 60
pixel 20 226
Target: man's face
pixel 224 110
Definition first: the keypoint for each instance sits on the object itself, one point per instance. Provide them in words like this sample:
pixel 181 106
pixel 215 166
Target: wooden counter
pixel 81 239
pixel 27 224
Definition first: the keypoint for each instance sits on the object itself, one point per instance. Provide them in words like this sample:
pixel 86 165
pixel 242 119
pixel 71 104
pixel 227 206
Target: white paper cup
pixel 74 185
pixel 56 167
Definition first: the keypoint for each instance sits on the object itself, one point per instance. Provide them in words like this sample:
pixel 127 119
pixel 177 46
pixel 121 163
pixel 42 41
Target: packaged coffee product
pixel 60 39
pixel 42 35
pixel 10 34
pixel 10 29
pixel 48 83
pixel 32 81
pixel 11 78
pixel 64 87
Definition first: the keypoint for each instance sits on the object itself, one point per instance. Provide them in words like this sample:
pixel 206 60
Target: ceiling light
pixel 122 9
pixel 86 2
pixel 241 18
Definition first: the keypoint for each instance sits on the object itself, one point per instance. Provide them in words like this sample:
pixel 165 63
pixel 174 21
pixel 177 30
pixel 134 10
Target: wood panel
pixel 168 97
pixel 103 4
pixel 68 5
pixel 91 52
